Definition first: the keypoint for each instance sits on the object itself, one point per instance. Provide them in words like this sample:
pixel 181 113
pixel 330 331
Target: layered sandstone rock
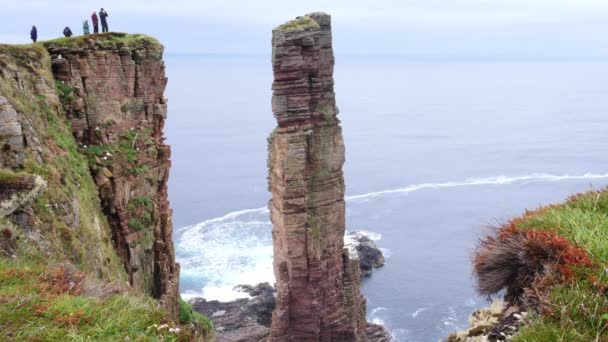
pixel 112 91
pixel 318 297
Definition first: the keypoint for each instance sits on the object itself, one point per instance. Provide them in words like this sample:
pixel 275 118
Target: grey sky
pixel 436 28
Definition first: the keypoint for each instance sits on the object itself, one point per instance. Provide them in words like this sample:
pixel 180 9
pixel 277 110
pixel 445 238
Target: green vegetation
pixel 130 151
pixel 68 214
pixel 42 303
pixel 299 24
pixel 10 178
pixel 112 40
pixel 141 210
pixel 65 92
pixel 574 306
pixel 187 315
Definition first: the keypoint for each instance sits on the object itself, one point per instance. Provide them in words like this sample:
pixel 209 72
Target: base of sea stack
pixel 248 319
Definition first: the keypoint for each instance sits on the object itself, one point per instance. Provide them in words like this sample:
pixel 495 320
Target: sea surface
pixel 436 153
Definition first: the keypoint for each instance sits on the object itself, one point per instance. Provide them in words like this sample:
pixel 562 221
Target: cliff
pixel 83 185
pixel 318 295
pixel 112 92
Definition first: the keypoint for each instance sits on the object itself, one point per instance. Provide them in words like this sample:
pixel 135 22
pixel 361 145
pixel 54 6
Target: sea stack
pixel 318 291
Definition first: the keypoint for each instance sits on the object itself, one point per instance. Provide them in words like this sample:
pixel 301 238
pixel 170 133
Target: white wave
pixel 386 253
pixel 451 320
pixel 357 233
pixel 378 321
pixel 378 309
pixel 417 312
pixel 227 217
pixel 220 253
pixel 497 180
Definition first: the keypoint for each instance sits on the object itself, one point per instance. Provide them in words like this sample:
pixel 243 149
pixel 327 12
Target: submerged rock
pixel 364 248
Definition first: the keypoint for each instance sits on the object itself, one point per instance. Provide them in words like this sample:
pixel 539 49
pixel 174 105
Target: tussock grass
pixel 571 306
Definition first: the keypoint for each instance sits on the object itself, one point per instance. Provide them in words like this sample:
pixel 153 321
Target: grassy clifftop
pixel 111 40
pixel 553 261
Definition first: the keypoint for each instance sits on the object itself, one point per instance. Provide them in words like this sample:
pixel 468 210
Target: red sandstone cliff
pixel 317 283
pixel 112 91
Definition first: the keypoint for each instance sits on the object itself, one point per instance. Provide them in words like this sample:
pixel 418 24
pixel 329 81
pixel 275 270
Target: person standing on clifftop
pixel 34 33
pixel 67 32
pixel 85 27
pixel 103 15
pixel 95 21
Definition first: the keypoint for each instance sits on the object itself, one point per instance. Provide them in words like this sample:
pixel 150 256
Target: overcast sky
pixel 426 28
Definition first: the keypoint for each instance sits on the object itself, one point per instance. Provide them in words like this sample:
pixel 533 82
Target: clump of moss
pixel 299 24
pixel 65 92
pixel 141 209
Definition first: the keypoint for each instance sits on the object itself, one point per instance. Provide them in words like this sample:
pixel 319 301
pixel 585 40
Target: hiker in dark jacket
pixel 34 33
pixel 67 32
pixel 95 21
pixel 103 15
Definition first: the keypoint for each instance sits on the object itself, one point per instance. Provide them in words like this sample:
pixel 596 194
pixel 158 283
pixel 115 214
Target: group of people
pixel 103 16
pixel 95 19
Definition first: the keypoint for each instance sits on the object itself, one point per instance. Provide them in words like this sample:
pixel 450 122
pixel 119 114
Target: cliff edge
pixel 83 190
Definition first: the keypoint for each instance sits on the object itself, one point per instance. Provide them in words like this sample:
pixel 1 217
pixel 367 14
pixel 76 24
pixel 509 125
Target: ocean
pixel 437 153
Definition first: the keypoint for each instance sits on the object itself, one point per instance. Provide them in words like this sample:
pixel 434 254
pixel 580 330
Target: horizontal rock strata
pixel 318 295
pixel 113 96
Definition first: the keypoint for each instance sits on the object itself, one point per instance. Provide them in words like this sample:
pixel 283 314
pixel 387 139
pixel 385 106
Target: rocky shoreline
pixel 498 322
pixel 249 319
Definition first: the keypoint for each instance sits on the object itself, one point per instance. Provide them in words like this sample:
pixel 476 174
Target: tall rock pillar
pixel 317 283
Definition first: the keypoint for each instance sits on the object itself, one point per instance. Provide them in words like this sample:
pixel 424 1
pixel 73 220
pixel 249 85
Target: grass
pixel 572 308
pixel 113 40
pixel 298 24
pixel 187 315
pixel 9 178
pixel 42 303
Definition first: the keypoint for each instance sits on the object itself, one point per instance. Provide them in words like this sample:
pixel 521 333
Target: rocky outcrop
pixel 376 333
pixel 112 91
pixel 242 320
pixel 498 322
pixel 364 249
pixel 318 295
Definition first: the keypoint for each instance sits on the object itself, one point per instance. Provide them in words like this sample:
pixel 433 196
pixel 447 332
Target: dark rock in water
pixel 245 319
pixel 369 255
pixel 376 333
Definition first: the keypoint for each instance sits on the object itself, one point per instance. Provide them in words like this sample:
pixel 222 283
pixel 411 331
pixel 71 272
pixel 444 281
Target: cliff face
pixel 64 222
pixel 318 297
pixel 83 194
pixel 113 96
